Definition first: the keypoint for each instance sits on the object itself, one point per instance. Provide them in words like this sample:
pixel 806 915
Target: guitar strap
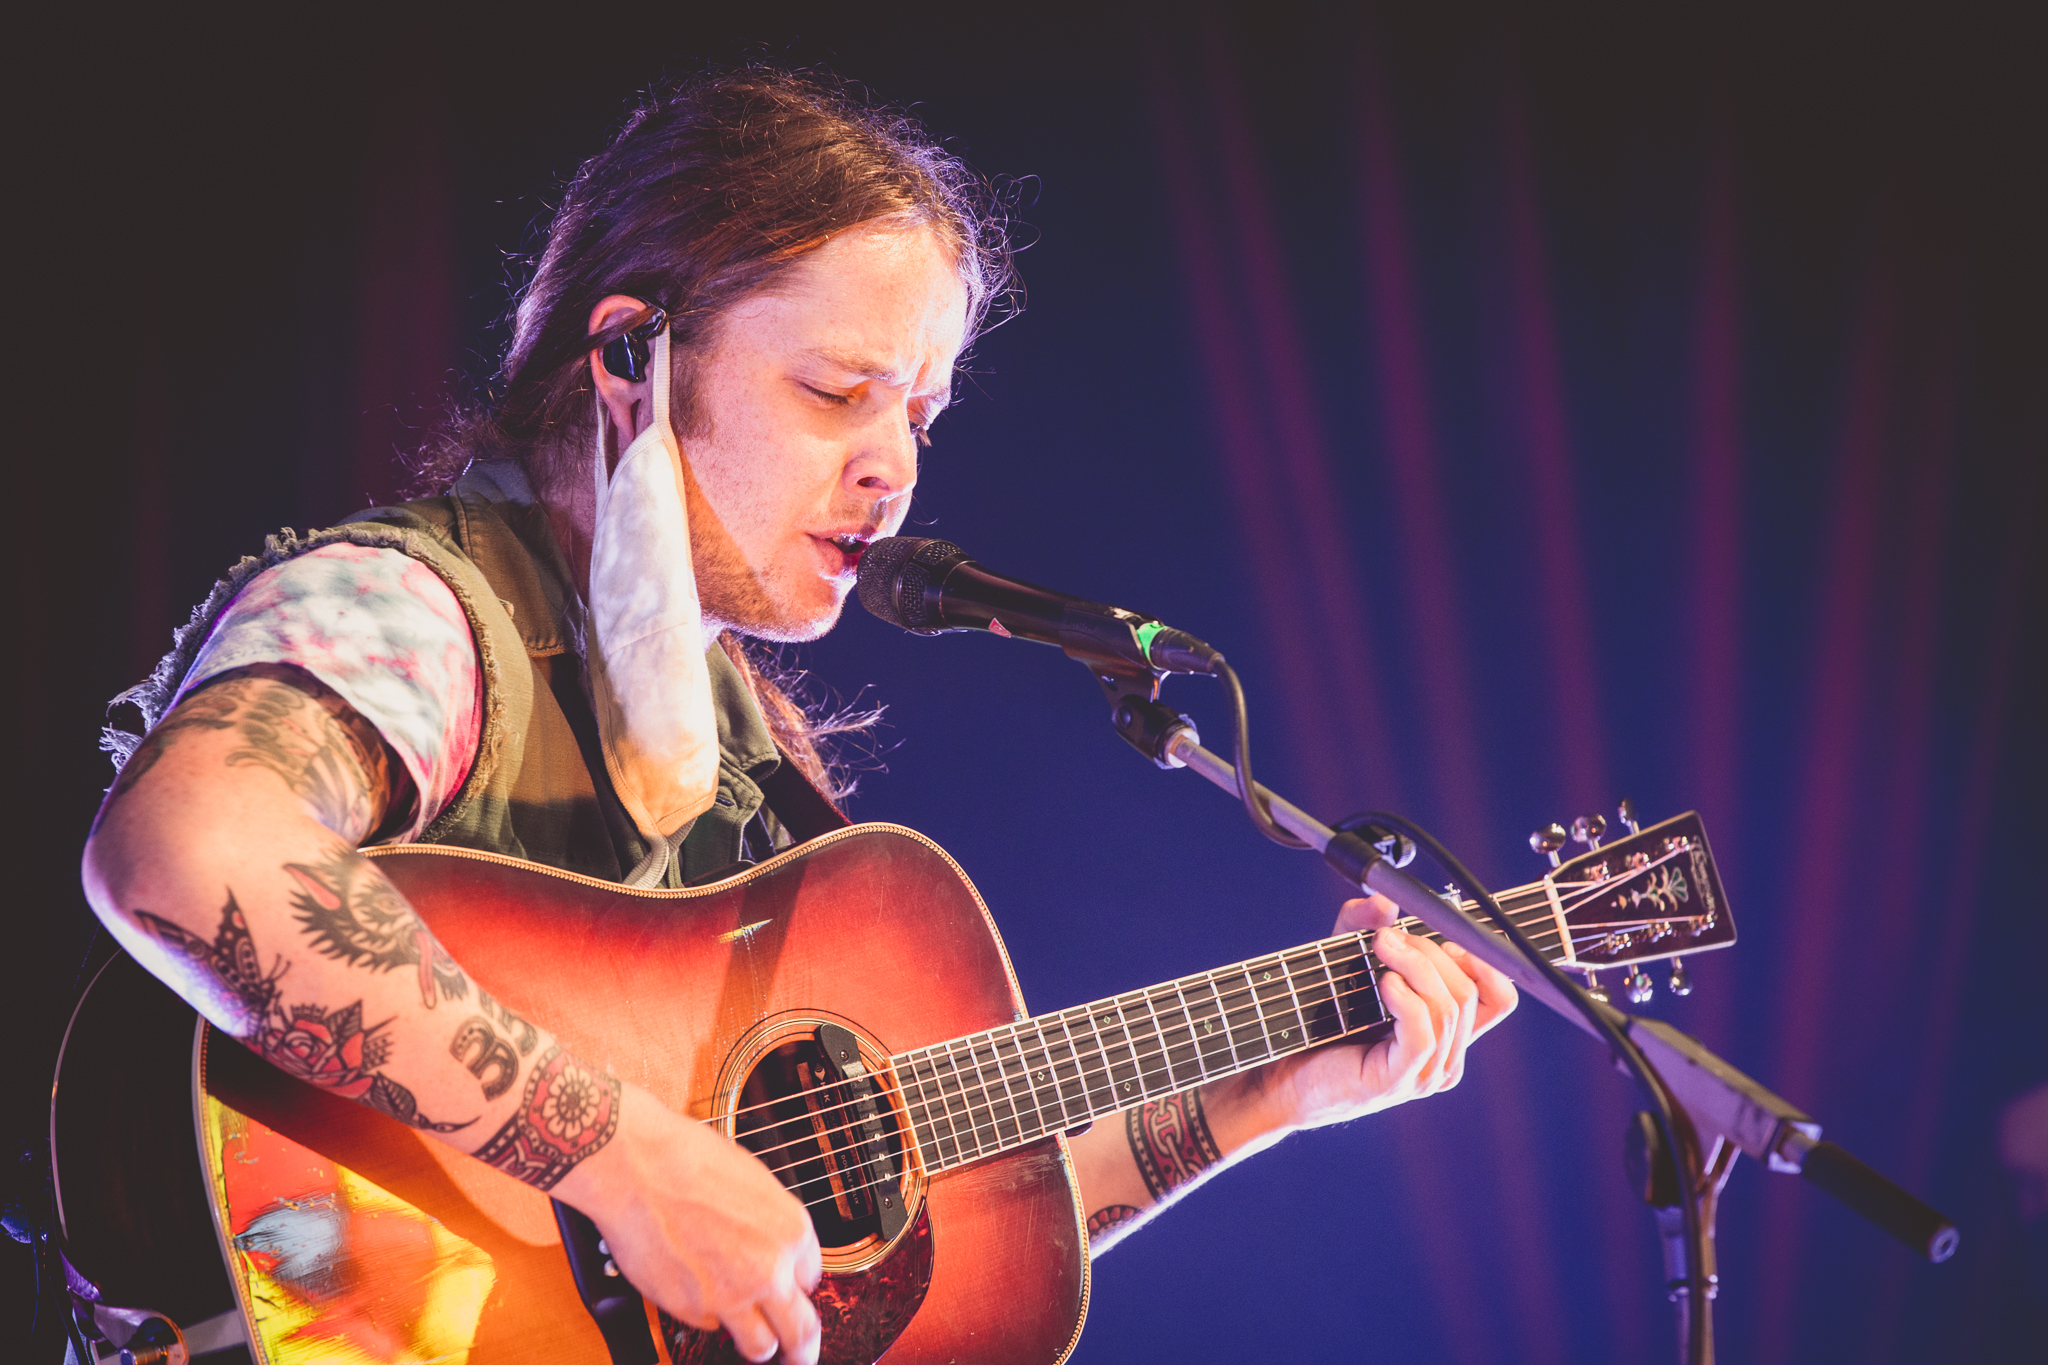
pixel 803 810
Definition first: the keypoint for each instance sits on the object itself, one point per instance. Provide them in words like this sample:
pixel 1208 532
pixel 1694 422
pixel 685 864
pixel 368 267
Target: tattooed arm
pixel 1441 998
pixel 224 860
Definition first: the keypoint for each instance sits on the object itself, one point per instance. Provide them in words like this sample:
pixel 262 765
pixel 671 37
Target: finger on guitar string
pixel 1365 913
pixel 1428 1014
pixel 1464 997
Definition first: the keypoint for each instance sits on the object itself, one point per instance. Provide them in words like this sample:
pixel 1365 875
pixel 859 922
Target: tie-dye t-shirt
pixel 387 635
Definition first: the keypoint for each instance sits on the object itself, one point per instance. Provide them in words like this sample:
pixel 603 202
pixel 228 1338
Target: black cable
pixel 1254 805
pixel 1624 1047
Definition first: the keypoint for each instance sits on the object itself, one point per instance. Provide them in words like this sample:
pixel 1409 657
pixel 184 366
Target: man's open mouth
pixel 851 546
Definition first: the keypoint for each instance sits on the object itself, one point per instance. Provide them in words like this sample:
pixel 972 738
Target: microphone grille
pixel 892 577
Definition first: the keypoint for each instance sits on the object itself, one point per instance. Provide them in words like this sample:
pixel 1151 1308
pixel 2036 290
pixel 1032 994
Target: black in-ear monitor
pixel 626 355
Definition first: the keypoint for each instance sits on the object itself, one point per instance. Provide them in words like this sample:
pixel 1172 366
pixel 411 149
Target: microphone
pixel 929 587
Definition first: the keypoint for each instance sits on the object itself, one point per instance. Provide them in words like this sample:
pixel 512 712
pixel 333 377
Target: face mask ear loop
pixel 658 379
pixel 658 387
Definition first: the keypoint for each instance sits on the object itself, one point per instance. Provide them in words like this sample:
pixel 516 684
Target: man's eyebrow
pixel 867 367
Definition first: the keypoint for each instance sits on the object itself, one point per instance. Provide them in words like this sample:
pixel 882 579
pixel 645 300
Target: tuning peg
pixel 1587 829
pixel 1628 816
pixel 1549 840
pixel 1640 987
pixel 1594 988
pixel 1680 983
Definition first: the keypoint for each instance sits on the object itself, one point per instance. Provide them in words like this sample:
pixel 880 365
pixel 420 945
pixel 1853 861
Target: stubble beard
pixel 732 597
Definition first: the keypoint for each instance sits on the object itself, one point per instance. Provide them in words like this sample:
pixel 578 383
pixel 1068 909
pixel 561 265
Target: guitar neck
pixel 985 1094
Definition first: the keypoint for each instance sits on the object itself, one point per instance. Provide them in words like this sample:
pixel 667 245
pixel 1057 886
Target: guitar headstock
pixel 1651 894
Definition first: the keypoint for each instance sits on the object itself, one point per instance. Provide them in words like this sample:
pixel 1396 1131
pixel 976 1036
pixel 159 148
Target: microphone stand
pixel 1720 1113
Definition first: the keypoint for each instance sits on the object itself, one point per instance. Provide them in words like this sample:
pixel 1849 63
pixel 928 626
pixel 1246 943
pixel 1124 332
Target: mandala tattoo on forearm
pixel 352 912
pixel 330 1048
pixel 569 1111
pixel 1170 1139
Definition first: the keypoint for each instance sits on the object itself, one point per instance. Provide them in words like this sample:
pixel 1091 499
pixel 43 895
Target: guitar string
pixel 987 1119
pixel 1090 1079
pixel 1238 1007
pixel 983 1126
pixel 1085 1010
pixel 982 1115
pixel 982 1119
pixel 1531 914
pixel 1530 900
pixel 990 1125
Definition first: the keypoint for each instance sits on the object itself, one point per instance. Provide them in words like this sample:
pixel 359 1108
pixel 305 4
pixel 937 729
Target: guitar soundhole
pixel 796 1119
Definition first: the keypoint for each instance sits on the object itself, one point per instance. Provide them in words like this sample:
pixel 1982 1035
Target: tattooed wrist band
pixel 568 1112
pixel 1103 1219
pixel 1171 1140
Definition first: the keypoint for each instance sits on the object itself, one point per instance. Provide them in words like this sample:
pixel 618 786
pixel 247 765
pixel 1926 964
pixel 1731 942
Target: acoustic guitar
pixel 845 1010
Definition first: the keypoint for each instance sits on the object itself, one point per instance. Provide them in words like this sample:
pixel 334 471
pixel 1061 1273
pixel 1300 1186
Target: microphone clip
pixel 1147 724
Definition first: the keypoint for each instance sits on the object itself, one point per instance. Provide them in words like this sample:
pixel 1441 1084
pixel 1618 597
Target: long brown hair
pixel 710 190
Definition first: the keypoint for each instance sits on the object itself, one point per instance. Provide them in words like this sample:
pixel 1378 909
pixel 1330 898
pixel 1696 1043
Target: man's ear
pixel 630 403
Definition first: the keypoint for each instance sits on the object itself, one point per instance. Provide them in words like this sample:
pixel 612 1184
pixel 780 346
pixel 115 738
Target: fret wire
pixel 1052 1075
pixel 1258 1009
pixel 995 1051
pixel 928 1081
pixel 995 1121
pixel 1131 1047
pixel 952 1127
pixel 1017 1113
pixel 910 1062
pixel 1080 1073
pixel 1294 996
pixel 1330 980
pixel 930 1089
pixel 1223 1017
pixel 923 1146
pixel 1102 1051
pixel 966 1100
pixel 1159 1032
pixel 1194 1038
pixel 1024 1060
pixel 997 1099
pixel 1130 1050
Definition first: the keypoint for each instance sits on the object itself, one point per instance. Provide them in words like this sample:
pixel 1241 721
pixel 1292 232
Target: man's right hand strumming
pixel 225 861
pixel 700 1226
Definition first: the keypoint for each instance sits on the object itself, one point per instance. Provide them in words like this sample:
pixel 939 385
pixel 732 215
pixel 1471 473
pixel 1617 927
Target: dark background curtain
pixel 1542 406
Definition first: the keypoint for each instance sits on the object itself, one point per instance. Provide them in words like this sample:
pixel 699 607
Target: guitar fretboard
pixel 985 1094
pixel 978 1096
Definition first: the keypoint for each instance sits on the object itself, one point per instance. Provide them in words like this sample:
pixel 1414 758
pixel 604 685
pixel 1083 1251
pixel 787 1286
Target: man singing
pixel 745 320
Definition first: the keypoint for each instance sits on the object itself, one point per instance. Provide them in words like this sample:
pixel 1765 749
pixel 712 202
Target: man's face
pixel 810 404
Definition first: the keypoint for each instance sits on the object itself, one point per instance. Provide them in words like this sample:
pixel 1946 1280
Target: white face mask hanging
pixel 648 679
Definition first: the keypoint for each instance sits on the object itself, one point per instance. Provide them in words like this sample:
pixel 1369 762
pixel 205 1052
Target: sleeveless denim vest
pixel 537 788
